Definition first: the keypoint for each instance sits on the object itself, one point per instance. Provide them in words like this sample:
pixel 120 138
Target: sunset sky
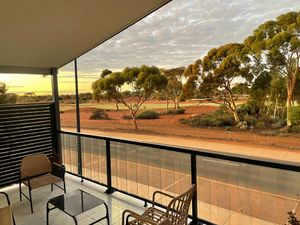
pixel 176 35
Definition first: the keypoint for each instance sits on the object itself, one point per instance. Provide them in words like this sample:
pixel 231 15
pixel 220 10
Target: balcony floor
pixel 116 202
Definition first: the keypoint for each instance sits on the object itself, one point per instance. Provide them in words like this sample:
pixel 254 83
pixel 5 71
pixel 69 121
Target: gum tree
pixel 131 87
pixel 224 67
pixel 275 46
pixel 174 85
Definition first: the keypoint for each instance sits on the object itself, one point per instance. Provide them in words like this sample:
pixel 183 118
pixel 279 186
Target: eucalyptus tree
pixel 222 69
pixel 132 87
pixel 175 84
pixel 275 46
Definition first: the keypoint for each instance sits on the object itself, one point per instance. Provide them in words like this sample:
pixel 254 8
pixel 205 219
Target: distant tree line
pixel 265 67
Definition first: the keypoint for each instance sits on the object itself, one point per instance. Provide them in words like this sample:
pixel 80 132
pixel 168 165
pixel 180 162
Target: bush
pixel 209 120
pixel 176 111
pixel 251 120
pixel 260 125
pixel 278 124
pixel 295 129
pixel 99 114
pixel 244 109
pixel 148 114
pixel 127 117
pixel 295 115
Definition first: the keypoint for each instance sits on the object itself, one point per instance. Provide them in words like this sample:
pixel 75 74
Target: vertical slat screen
pixel 24 129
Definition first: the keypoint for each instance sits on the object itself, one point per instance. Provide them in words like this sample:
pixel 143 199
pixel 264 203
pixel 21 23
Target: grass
pixel 112 106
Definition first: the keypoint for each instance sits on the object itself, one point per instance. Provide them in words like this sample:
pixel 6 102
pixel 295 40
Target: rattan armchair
pixel 175 214
pixel 6 216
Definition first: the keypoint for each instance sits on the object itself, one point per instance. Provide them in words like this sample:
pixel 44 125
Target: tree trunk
pixel 167 105
pixel 275 107
pixel 117 106
pixel 134 120
pixel 288 109
pixel 177 102
pixel 233 108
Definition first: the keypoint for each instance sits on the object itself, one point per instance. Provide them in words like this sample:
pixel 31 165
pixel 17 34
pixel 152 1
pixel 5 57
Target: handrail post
pixel 109 189
pixel 194 181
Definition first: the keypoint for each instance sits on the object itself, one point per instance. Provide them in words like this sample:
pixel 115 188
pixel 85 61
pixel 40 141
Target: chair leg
pixel 20 190
pixel 51 187
pixel 30 199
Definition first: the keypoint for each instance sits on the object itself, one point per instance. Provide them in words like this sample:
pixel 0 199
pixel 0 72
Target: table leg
pixel 47 214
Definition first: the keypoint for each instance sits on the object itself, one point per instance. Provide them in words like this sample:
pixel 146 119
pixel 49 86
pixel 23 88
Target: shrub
pixel 295 129
pixel 251 120
pixel 260 125
pixel 292 219
pixel 209 120
pixel 278 124
pixel 127 117
pixel 244 109
pixel 176 111
pixel 99 114
pixel 148 114
pixel 295 115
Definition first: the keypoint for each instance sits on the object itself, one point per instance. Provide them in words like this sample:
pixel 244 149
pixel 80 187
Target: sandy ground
pixel 219 201
pixel 168 130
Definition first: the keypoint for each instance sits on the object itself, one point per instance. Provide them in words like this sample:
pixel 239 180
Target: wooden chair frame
pixel 56 171
pixel 175 214
pixel 8 203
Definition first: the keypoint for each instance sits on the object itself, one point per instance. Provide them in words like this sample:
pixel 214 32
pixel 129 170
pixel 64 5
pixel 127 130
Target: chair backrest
pixel 178 209
pixel 34 165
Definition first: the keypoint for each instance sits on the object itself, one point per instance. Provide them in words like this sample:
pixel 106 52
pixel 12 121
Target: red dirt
pixel 169 125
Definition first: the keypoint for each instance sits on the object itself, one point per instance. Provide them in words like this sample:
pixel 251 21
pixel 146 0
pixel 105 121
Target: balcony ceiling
pixel 38 35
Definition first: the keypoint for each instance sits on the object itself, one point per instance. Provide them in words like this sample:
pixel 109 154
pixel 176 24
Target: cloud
pixel 181 32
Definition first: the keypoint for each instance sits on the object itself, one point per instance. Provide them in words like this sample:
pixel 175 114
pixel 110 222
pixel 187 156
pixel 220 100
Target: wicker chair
pixel 175 214
pixel 37 171
pixel 6 216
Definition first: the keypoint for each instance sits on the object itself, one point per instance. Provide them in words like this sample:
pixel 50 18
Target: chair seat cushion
pixel 43 180
pixel 5 216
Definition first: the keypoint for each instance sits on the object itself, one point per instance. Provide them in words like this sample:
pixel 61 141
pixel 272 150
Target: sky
pixel 175 35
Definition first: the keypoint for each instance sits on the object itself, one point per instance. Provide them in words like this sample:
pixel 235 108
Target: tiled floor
pixel 116 202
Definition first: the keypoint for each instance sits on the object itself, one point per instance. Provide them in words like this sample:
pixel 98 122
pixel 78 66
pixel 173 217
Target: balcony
pixel 231 189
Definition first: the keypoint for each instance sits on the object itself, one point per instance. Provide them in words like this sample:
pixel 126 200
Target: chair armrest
pixel 6 196
pixel 58 170
pixel 161 193
pixel 136 216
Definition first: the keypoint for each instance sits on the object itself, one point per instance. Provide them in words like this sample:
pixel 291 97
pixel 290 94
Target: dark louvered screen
pixel 24 130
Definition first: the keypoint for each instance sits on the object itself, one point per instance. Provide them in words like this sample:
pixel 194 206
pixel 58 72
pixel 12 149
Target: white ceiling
pixel 37 35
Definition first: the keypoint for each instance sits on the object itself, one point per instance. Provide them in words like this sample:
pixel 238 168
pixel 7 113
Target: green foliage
pixel 274 47
pixel 209 120
pixel 174 89
pixel 292 219
pixel 99 114
pixel 105 72
pixel 220 118
pixel 221 68
pixel 193 75
pixel 6 98
pixel 241 89
pixel 244 109
pixel 148 114
pixel 176 111
pixel 295 115
pixel 144 81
